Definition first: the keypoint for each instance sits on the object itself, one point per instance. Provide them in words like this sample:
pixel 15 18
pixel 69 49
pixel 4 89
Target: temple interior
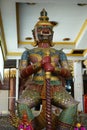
pixel 17 20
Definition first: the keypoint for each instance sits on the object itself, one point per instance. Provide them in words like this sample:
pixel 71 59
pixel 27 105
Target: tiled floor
pixel 4 124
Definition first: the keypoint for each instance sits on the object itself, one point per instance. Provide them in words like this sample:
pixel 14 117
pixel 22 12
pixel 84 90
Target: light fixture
pixel 66 39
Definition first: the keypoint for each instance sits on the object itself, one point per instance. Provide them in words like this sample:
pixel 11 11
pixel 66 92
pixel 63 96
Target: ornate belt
pixel 42 78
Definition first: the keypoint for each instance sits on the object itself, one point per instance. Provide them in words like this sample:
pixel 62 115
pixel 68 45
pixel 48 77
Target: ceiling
pixel 18 18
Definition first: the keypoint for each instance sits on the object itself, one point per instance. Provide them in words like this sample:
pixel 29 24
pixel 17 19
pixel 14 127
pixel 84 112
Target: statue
pixel 44 68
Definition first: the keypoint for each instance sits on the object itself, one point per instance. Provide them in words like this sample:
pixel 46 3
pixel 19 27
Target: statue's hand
pixel 65 72
pixel 48 67
pixel 46 64
pixel 46 59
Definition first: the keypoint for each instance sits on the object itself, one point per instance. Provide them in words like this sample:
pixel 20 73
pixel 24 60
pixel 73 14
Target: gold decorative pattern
pixel 9 73
pixel 71 66
pixel 35 57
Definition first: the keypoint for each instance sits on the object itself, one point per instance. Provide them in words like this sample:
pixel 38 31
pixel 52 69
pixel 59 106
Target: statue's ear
pixel 33 32
pixel 35 41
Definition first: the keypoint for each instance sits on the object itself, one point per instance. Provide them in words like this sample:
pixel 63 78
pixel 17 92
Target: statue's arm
pixel 26 68
pixel 29 70
pixel 63 70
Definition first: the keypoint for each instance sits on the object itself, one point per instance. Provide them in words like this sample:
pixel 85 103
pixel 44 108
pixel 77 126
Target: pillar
pixel 12 94
pixel 78 84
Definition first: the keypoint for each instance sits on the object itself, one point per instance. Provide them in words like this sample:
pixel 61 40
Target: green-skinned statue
pixel 44 68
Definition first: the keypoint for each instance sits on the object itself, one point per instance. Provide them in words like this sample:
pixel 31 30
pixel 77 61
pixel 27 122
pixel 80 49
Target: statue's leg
pixel 28 99
pixel 67 117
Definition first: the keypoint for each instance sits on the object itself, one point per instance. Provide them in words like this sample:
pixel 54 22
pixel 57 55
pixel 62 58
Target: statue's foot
pixel 64 126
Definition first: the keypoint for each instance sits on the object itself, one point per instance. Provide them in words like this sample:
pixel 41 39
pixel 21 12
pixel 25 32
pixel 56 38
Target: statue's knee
pixel 74 103
pixel 73 107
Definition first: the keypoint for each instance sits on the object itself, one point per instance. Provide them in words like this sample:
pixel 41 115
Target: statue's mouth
pixel 45 32
pixel 44 37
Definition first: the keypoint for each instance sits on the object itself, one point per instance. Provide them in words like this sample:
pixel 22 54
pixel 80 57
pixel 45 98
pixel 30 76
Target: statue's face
pixel 43 33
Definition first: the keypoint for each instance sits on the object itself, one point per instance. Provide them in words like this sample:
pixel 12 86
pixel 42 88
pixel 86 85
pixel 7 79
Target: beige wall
pixel 3 101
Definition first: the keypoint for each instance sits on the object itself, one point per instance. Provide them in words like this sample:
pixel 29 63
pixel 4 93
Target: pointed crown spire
pixel 43 19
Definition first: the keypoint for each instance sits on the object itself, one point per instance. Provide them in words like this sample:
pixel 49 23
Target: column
pixel 12 94
pixel 78 84
pixel 17 79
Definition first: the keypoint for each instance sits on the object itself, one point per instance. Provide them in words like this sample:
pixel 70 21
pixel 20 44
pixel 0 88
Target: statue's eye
pixel 39 29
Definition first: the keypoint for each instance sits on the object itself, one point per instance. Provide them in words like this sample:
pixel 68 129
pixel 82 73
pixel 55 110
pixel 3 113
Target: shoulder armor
pixel 25 55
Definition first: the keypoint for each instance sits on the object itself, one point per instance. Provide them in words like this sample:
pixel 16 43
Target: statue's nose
pixel 45 31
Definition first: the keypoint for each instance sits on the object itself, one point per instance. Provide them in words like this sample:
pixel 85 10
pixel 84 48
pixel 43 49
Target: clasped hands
pixel 46 64
pixel 48 67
